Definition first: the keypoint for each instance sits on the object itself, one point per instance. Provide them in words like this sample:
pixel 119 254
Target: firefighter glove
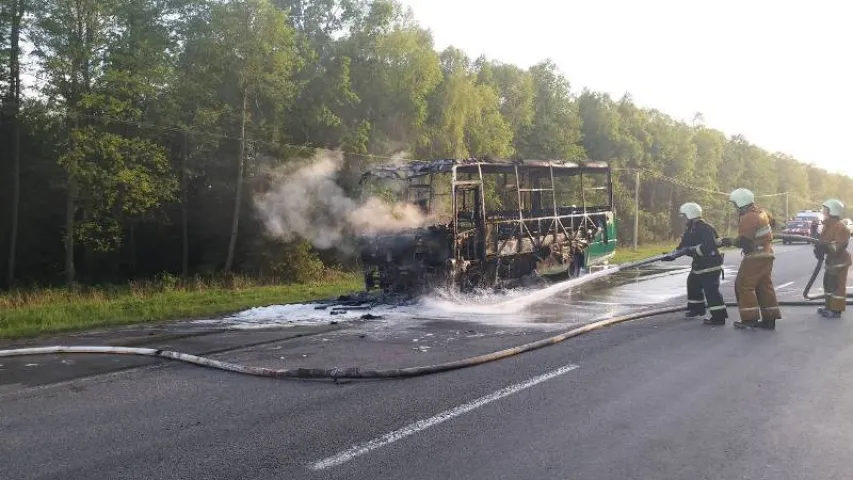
pixel 726 242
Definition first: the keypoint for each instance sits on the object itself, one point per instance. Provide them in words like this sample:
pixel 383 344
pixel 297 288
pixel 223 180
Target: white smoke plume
pixel 308 203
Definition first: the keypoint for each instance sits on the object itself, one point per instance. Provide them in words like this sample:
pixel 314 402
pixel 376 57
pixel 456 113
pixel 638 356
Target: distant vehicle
pixel 797 227
pixel 813 216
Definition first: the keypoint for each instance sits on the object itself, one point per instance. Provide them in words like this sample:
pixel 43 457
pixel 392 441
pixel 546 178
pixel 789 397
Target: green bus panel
pixel 599 252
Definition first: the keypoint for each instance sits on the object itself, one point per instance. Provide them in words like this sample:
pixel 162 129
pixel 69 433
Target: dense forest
pixel 152 124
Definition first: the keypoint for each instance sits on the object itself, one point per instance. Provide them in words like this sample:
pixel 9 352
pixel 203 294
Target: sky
pixel 778 72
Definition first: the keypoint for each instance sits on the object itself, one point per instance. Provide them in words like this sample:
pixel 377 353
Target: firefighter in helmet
pixel 756 296
pixel 833 244
pixel 703 282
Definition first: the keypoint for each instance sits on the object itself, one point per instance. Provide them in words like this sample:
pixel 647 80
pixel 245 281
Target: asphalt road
pixel 660 398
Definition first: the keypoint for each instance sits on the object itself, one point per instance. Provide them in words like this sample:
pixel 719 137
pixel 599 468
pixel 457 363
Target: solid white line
pixel 420 425
pixel 785 285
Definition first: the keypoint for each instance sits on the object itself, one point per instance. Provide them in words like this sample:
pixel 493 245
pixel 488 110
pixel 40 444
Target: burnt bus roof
pixel 422 168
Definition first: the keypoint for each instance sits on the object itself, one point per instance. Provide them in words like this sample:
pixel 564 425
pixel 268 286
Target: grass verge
pixel 47 311
pixel 628 254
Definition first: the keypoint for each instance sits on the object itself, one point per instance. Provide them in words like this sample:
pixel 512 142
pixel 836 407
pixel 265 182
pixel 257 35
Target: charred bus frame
pixel 551 230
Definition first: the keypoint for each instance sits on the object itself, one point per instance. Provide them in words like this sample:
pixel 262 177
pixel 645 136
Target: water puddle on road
pixel 570 302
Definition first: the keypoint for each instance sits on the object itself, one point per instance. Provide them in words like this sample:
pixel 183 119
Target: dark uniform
pixel 703 282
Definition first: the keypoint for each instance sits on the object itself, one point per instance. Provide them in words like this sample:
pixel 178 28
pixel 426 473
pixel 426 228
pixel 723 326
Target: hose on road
pixel 366 373
pixel 349 372
pixel 357 372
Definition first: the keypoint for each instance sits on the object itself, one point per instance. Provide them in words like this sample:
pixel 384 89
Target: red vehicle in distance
pixel 798 227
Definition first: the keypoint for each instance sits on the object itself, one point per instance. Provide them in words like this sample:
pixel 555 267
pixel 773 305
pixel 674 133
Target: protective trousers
pixel 756 297
pixel 835 288
pixel 702 287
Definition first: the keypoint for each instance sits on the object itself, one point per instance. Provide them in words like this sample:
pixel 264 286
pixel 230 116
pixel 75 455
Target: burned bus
pixel 490 223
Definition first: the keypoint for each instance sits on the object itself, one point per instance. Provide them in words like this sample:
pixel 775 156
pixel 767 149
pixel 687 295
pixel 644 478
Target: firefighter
pixel 703 282
pixel 754 291
pixel 833 244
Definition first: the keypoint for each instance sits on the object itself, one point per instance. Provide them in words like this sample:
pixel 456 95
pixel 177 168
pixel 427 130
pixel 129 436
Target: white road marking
pixel 785 285
pixel 421 425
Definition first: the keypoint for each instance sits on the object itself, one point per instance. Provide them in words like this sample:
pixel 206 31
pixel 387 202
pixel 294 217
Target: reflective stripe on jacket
pixel 706 257
pixel 755 233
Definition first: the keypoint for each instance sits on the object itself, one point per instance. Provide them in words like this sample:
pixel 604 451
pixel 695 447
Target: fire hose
pixel 336 373
pixel 820 261
pixel 809 284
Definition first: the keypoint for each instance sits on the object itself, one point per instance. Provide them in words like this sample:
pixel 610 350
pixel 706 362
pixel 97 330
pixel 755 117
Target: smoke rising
pixel 308 203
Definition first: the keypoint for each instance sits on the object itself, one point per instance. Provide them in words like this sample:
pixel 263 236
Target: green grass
pixel 626 254
pixel 46 311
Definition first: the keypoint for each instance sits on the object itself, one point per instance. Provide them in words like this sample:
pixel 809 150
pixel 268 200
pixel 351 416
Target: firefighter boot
pixel 767 324
pixel 747 324
pixel 826 313
pixel 717 317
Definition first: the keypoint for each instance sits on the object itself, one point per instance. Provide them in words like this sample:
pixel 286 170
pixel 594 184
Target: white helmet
pixel 691 210
pixel 835 207
pixel 742 197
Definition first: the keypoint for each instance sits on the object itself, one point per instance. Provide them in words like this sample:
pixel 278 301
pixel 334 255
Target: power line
pixel 690 186
pixel 681 183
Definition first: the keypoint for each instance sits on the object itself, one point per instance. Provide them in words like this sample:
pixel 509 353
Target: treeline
pixel 154 121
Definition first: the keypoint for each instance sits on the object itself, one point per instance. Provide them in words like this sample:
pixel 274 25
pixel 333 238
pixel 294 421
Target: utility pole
pixel 185 242
pixel 18 10
pixel 728 211
pixel 787 217
pixel 636 209
pixel 636 171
